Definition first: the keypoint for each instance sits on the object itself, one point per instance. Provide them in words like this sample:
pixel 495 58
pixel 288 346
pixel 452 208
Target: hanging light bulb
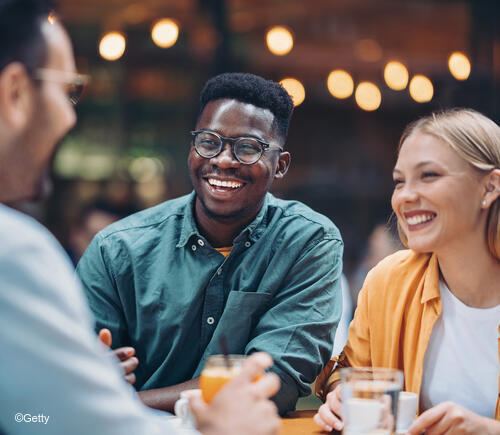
pixel 421 89
pixel 396 75
pixel 165 33
pixel 295 89
pixel 340 84
pixel 279 40
pixel 368 96
pixel 459 65
pixel 112 46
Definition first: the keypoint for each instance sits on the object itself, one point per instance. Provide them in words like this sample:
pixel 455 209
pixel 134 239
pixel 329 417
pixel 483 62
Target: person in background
pixel 382 241
pixel 433 311
pixel 92 218
pixel 55 376
pixel 228 259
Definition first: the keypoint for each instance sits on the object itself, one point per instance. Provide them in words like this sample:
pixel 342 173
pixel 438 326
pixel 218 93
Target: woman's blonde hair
pixel 476 139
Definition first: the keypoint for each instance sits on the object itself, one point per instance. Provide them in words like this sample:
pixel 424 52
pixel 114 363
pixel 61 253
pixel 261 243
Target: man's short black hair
pixel 21 38
pixel 252 89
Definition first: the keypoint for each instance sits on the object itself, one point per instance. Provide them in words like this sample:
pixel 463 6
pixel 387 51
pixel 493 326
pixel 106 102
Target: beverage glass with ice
pixel 370 400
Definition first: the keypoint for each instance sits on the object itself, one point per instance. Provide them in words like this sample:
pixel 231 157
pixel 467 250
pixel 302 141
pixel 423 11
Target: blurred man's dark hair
pixel 21 38
pixel 252 89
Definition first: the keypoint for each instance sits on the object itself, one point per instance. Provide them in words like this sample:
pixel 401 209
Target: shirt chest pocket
pixel 241 313
pixel 243 310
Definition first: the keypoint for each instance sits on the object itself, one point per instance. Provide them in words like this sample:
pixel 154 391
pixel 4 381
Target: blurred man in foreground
pixel 55 378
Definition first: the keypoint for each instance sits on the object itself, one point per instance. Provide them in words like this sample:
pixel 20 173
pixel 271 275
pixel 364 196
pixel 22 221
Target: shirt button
pixel 219 271
pixel 210 320
pixel 193 247
pixel 248 244
pixel 201 242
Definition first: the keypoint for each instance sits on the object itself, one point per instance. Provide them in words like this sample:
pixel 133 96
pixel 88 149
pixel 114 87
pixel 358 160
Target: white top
pixel 461 362
pixel 52 367
pixel 345 319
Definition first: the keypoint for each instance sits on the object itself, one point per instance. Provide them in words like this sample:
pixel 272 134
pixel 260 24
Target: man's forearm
pixel 165 398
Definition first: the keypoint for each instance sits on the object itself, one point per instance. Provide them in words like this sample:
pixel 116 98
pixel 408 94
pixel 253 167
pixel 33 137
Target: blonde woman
pixel 433 310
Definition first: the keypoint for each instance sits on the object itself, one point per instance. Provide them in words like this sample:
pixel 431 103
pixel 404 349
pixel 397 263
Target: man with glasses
pixel 55 377
pixel 227 261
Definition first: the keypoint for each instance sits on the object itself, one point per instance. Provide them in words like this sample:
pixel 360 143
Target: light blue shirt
pixel 52 368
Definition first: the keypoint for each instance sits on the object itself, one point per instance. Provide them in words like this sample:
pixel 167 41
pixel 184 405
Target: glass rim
pixel 372 372
pixel 230 356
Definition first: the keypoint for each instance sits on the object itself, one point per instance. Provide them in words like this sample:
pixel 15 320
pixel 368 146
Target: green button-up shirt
pixel 160 287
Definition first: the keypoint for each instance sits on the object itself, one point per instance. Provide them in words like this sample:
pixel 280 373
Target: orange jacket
pixel 397 308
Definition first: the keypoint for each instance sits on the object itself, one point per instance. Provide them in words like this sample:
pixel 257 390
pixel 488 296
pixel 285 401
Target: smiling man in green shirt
pixel 229 259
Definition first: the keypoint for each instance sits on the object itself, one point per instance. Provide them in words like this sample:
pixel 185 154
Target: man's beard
pixel 45 185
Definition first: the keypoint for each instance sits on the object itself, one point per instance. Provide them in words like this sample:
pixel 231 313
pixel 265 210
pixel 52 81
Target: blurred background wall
pixel 130 146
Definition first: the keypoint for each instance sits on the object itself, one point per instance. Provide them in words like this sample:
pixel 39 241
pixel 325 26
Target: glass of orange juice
pixel 218 372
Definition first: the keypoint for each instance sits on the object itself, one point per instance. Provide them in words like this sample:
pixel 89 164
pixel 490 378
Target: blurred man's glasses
pixel 75 83
pixel 246 150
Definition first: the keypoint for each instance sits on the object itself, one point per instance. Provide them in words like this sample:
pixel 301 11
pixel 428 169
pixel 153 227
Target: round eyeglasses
pixel 75 83
pixel 246 150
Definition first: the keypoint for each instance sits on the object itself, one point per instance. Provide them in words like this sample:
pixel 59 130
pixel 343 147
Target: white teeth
pixel 414 220
pixel 223 183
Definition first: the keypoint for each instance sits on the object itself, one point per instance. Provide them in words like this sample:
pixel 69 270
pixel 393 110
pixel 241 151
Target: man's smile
pixel 218 184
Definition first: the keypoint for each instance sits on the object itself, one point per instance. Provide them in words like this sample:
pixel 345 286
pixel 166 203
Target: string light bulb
pixel 112 45
pixel 459 65
pixel 340 84
pixel 396 75
pixel 295 89
pixel 279 40
pixel 421 89
pixel 368 96
pixel 165 33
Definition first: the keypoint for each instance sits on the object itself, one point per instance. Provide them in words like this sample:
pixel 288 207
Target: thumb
pixel 105 336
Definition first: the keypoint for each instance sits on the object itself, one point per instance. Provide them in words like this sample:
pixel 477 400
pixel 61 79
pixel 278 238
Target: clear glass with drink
pixel 370 400
pixel 218 372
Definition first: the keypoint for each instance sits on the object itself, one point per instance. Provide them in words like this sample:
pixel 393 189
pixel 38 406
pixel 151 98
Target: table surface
pixel 300 423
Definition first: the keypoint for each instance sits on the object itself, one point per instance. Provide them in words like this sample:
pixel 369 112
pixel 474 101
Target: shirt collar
pixel 253 230
pixel 189 227
pixel 431 281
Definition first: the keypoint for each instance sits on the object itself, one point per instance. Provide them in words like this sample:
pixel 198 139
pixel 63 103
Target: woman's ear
pixel 492 190
pixel 283 164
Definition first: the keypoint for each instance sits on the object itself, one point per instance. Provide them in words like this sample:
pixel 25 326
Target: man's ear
pixel 283 164
pixel 492 191
pixel 16 95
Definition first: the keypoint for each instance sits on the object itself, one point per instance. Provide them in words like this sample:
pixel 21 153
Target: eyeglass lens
pixel 75 92
pixel 246 150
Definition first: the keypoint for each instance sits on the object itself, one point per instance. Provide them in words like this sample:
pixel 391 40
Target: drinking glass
pixel 218 372
pixel 370 400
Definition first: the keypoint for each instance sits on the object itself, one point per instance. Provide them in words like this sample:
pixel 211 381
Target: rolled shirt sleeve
pixel 299 328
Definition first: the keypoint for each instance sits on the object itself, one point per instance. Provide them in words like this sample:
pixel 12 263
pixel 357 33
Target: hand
pixel 329 415
pixel 242 406
pixel 450 418
pixel 128 362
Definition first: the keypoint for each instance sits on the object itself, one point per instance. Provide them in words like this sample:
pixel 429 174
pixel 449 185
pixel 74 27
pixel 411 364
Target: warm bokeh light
pixel 340 84
pixel 459 65
pixel 368 96
pixel 279 40
pixel 295 89
pixel 112 46
pixel 165 33
pixel 421 89
pixel 396 75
